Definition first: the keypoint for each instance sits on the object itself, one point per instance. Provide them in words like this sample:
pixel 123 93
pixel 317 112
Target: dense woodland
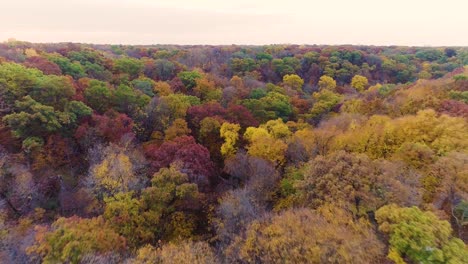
pixel 233 154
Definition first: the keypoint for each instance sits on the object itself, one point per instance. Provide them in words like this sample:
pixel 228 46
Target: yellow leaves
pixel 327 83
pixel 71 238
pixel 269 149
pixel 277 129
pixel 162 89
pixel 382 136
pixel 230 133
pixel 359 83
pixel 253 134
pixel 187 252
pixel 30 52
pixel 293 81
pixel 306 236
pixel 178 128
pixel 114 173
pixel 268 141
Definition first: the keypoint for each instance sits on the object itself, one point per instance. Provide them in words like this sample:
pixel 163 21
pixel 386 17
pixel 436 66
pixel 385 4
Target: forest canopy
pixel 233 154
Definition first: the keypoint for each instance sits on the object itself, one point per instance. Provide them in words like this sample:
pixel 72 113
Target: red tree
pixel 195 159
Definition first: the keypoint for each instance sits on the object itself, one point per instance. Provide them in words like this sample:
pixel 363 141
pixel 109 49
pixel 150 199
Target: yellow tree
pixel 178 128
pixel 327 83
pixel 113 170
pixel 359 83
pixel 329 235
pixel 186 252
pixel 230 133
pixel 114 173
pixel 70 239
pixel 264 144
pixel 293 81
pixel 277 128
pixel 162 89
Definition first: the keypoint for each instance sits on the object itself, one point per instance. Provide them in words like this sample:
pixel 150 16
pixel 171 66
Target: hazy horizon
pixel 261 22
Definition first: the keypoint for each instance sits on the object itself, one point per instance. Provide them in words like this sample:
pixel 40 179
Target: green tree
pixel 189 78
pixel 419 236
pixel 17 81
pixel 158 213
pixel 98 96
pixel 325 101
pixel 74 69
pixel 35 119
pixel 131 66
pixel 53 90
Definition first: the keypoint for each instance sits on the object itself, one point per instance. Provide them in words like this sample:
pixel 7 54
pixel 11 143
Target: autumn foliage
pixel 233 154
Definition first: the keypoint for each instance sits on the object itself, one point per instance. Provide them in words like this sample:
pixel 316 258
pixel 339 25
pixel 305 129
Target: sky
pixel 256 22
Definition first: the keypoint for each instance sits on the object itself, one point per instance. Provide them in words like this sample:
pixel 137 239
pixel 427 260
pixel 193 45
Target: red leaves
pixel 46 66
pixel 111 126
pixel 194 157
pixel 454 108
pixel 237 114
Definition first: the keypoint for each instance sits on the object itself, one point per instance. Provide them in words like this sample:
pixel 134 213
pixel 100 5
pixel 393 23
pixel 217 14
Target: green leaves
pixel 419 236
pixel 189 78
pixel 131 66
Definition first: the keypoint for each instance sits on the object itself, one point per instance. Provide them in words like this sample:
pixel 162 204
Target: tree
pixel 131 66
pixel 70 239
pixel 126 215
pixel 209 136
pixel 206 90
pixel 114 173
pixel 158 213
pixel 325 101
pixel 162 89
pixel 263 144
pixel 446 185
pixel 17 185
pixel 359 83
pixel 163 69
pixel 293 81
pixel 189 78
pixel 74 69
pixel 35 119
pixel 194 158
pixel 44 65
pixel 177 129
pixel 327 83
pixel 351 181
pixel 174 106
pixel 187 252
pixel 144 85
pixel 16 81
pixel 98 96
pixel 127 100
pixel 230 133
pixel 111 127
pixel 306 236
pixel 419 236
pixel 273 105
pixel 236 210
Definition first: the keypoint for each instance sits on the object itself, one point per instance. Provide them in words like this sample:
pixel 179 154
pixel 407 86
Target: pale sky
pixel 370 22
